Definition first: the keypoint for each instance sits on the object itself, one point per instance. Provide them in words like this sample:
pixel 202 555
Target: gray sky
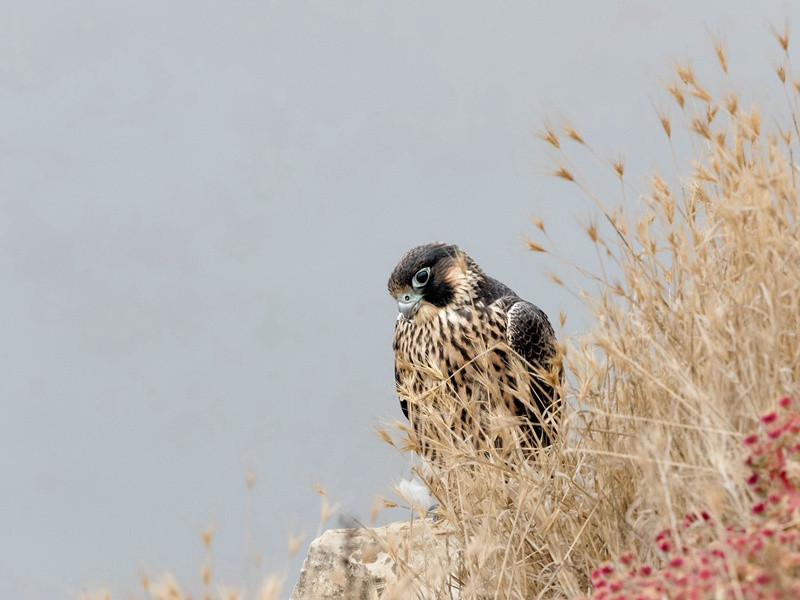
pixel 200 204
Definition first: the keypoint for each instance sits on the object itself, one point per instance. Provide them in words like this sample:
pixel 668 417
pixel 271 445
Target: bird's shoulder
pixel 528 329
pixel 492 291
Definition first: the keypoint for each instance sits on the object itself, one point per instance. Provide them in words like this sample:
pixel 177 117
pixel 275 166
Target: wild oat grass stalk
pixel 696 324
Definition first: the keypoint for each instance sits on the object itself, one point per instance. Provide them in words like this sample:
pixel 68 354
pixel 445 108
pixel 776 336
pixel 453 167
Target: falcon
pixel 463 332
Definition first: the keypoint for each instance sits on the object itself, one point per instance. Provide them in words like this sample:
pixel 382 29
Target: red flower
pixel 676 562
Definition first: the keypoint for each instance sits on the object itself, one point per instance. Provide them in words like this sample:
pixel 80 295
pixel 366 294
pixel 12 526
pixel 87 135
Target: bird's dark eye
pixel 421 277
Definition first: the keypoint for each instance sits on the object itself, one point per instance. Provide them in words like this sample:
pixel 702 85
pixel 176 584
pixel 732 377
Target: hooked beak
pixel 408 303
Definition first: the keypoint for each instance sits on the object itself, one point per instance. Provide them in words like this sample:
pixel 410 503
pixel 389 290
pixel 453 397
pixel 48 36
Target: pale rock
pixel 360 564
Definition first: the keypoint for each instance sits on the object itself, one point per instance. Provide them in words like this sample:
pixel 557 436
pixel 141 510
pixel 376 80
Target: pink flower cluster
pixel 702 559
pixel 774 463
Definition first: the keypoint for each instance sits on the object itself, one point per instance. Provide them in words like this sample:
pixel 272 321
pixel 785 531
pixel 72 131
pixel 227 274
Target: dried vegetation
pixel 696 311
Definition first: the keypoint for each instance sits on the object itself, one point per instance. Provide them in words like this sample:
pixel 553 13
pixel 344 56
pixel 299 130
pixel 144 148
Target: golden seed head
pixel 783 38
pixel 755 122
pixel 573 134
pixel 719 48
pixel 207 535
pixel 549 135
pixel 534 246
pixel 677 94
pixel 205 574
pixel 295 543
pixel 685 73
pixel 619 166
pixel 562 173
pixel 701 93
pixel 591 231
pixel 732 104
pixel 665 124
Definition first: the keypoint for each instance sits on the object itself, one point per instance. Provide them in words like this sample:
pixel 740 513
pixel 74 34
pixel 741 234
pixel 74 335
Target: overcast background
pixel 200 204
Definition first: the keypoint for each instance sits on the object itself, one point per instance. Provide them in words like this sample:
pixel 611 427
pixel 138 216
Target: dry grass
pixel 209 585
pixel 697 314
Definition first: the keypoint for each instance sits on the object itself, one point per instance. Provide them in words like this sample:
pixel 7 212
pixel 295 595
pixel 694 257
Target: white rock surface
pixel 361 564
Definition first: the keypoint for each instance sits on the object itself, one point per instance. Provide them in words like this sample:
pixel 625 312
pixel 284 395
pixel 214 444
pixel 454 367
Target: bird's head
pixel 431 277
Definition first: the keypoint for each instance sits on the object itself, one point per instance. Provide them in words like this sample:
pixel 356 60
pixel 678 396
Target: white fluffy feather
pixel 415 493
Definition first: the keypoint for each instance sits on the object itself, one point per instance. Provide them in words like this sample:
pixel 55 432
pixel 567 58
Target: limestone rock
pixel 361 564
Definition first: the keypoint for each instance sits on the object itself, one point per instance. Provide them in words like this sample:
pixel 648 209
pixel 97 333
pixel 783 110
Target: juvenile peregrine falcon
pixel 460 328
